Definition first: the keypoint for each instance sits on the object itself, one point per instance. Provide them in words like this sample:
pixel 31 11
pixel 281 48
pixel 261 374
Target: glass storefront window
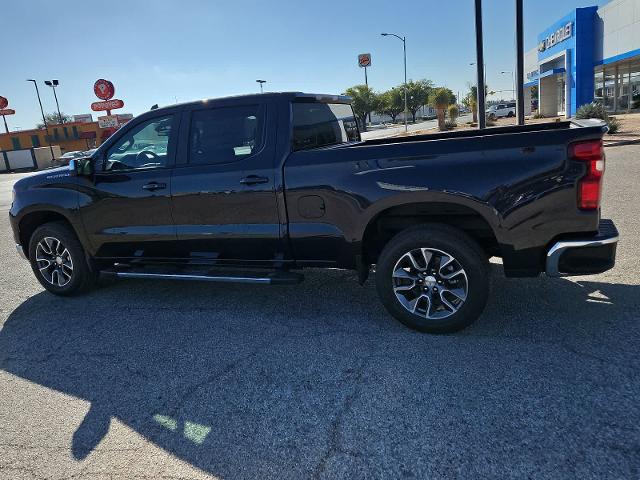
pixel 635 88
pixel 598 94
pixel 560 95
pixel 605 90
pixel 623 88
pixel 608 89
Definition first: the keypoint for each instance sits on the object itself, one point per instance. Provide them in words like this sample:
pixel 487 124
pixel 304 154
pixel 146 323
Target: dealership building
pixel 593 53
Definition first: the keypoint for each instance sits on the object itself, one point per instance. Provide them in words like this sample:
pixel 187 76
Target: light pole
pixel 404 49
pixel 485 72
pixel 261 82
pixel 513 79
pixel 44 119
pixel 53 84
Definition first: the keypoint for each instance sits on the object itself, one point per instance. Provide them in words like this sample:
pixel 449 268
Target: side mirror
pixel 81 167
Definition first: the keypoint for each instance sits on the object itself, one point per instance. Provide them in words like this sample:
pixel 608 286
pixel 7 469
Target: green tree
pixel 391 103
pixel 365 101
pixel 53 119
pixel 440 99
pixel 417 95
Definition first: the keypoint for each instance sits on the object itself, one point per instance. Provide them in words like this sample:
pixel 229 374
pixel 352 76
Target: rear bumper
pixel 584 256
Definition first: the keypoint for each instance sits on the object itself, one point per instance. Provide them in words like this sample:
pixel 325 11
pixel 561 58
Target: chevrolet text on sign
pixel 560 35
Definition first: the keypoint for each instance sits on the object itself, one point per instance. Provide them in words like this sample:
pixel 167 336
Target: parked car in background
pixel 501 110
pixel 64 159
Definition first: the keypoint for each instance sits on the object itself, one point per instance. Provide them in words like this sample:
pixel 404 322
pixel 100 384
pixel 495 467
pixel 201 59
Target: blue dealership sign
pixel 573 36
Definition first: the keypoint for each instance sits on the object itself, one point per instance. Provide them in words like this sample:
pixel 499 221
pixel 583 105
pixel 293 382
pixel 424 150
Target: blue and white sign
pixel 560 35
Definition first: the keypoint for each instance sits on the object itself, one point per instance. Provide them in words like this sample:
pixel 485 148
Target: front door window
pixel 144 147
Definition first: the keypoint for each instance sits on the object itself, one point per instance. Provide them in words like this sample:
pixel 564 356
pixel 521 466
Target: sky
pixel 165 51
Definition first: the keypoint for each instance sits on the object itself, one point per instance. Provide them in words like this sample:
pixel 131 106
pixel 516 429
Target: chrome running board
pixel 273 278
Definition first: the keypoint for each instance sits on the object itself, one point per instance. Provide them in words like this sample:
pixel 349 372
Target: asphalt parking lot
pixel 185 380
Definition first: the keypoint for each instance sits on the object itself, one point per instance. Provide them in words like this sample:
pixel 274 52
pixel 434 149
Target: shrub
pixel 538 115
pixel 450 125
pixel 592 110
pixel 597 110
pixel 453 112
pixel 613 124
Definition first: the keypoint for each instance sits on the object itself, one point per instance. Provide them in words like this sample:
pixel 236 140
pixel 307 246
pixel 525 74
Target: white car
pixel 501 110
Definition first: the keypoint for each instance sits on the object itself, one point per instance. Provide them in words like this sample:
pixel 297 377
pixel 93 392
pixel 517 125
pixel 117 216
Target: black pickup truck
pixel 254 188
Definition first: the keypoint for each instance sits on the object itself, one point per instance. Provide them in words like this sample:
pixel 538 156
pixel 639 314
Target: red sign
pixel 3 103
pixel 8 111
pixel 364 60
pixel 104 89
pixel 108 105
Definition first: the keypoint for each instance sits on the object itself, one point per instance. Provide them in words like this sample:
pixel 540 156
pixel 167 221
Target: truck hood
pixel 46 177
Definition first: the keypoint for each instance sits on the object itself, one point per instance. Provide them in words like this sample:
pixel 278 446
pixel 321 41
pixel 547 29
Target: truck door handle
pixel 154 186
pixel 253 180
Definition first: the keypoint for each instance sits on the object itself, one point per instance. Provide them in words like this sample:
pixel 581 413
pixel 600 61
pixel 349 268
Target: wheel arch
pixel 30 221
pixel 385 224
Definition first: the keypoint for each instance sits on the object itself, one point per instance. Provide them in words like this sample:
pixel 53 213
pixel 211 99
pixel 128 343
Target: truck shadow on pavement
pixel 317 380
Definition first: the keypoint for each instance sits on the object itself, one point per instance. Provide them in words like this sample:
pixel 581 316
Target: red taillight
pixel 590 185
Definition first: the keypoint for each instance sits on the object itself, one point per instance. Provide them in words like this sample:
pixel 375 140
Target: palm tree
pixel 472 102
pixel 440 100
pixel 364 101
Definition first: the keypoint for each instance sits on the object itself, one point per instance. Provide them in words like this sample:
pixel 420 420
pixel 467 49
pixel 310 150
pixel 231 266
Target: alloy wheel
pixel 54 261
pixel 430 283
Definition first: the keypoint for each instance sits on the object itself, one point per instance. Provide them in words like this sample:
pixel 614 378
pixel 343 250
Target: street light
pixel 44 119
pixel 261 82
pixel 53 84
pixel 513 79
pixel 485 72
pixel 404 49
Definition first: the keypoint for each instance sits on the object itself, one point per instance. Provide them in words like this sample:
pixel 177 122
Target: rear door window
pixel 226 134
pixel 321 124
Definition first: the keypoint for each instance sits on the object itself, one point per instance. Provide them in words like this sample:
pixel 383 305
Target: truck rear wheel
pixel 433 278
pixel 58 260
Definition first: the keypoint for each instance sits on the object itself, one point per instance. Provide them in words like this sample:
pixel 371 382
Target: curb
pixel 621 143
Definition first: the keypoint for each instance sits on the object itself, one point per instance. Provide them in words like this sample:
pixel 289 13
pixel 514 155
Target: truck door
pixel 126 204
pixel 223 195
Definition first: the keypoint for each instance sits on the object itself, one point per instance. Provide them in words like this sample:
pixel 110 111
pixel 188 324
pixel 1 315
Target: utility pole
pixel 513 81
pixel 404 50
pixel 482 121
pixel 53 84
pixel 519 74
pixel 261 82
pixel 44 119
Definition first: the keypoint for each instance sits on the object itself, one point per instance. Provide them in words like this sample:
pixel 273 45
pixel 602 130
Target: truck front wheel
pixel 58 260
pixel 433 278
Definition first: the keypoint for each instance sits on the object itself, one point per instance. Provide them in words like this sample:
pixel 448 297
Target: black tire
pixel 81 276
pixel 474 279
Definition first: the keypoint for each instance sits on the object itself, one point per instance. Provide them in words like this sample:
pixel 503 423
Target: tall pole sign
pixel 364 61
pixel 105 91
pixel 5 111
